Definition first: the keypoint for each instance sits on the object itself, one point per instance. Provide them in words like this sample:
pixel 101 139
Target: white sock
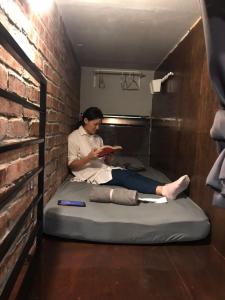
pixel 173 189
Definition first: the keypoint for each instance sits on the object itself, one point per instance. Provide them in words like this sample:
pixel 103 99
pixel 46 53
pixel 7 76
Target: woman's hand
pixel 109 159
pixel 93 154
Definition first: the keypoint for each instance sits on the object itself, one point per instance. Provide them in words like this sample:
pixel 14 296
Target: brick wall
pixel 44 40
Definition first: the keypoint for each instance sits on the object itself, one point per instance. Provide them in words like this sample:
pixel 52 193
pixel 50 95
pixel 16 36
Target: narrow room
pixel 112 137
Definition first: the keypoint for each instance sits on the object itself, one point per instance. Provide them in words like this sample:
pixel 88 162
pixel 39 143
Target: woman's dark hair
pixel 91 113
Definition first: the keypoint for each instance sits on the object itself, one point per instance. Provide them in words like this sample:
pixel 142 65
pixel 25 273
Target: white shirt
pixel 80 143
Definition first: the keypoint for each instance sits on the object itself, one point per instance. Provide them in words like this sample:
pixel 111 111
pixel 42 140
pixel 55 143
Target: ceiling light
pixel 40 6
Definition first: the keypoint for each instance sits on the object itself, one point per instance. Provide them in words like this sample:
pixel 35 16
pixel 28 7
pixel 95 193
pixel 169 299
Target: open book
pixel 107 149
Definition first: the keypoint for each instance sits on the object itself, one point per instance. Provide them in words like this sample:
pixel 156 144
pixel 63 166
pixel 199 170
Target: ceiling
pixel 126 33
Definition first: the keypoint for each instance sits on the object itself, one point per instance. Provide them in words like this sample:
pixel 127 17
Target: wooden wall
pixel 182 117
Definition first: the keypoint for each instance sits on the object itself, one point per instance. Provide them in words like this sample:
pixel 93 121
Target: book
pixel 107 149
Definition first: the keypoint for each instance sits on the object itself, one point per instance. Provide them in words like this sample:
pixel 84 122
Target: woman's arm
pixel 77 164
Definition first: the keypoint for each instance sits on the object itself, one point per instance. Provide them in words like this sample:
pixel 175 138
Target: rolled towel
pixel 217 131
pixel 106 194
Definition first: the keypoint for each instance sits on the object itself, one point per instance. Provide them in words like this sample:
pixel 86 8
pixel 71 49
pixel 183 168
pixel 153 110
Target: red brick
pixel 49 102
pixel 17 128
pixel 10 61
pixel 55 128
pixel 49 143
pixel 52 89
pixel 3 128
pixel 17 86
pixel 30 162
pixel 48 129
pixel 60 140
pixel 19 167
pixel 3 169
pixel 29 150
pixel 34 128
pixel 48 71
pixel 3 77
pixel 29 92
pixel 13 155
pixel 47 183
pixel 13 171
pixel 3 224
pixel 10 108
pixel 50 168
pixel 29 78
pixel 56 78
pixel 61 106
pixel 12 255
pixel 55 104
pixel 4 190
pixel 36 95
pixel 39 61
pixel 48 156
pixel 40 27
pixel 3 276
pixel 32 94
pixel 17 208
pixel 62 128
pixel 52 116
pixel 48 194
pixel 30 113
pixel 55 152
pixel 33 36
pixel 10 156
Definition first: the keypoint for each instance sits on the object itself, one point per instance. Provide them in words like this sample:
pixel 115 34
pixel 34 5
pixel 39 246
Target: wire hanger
pixel 133 85
pixel 124 83
pixel 101 83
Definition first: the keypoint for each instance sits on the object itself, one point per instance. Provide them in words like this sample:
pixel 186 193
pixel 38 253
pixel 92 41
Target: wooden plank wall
pixel 182 117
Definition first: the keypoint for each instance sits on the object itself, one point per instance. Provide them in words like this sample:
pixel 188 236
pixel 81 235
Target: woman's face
pixel 92 126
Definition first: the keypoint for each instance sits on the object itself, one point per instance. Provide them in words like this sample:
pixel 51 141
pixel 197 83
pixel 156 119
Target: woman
pixel 83 160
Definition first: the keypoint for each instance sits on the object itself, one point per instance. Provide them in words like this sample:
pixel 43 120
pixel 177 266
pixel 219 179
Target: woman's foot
pixel 173 189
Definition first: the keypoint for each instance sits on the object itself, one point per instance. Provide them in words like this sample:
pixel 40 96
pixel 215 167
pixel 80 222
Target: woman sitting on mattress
pixel 83 160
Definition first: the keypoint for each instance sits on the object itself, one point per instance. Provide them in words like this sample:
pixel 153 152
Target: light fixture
pixel 155 85
pixel 40 6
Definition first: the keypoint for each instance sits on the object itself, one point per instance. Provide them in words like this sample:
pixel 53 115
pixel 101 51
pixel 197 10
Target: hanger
pixel 128 86
pixel 101 83
pixel 124 83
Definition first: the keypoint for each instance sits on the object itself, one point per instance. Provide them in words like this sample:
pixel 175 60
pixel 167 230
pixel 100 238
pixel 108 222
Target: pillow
pixel 128 162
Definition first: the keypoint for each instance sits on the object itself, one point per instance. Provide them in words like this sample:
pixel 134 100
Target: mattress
pixel 148 223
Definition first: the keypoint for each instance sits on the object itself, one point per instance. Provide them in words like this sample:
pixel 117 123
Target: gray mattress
pixel 148 223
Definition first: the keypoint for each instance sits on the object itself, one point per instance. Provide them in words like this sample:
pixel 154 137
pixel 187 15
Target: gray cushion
pixel 118 195
pixel 147 223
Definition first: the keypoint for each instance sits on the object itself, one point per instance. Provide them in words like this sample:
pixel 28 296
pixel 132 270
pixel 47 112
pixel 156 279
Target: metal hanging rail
pixel 7 41
pixel 126 84
pixel 118 72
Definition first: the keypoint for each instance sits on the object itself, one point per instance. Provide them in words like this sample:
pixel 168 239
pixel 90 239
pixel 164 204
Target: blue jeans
pixel 133 181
